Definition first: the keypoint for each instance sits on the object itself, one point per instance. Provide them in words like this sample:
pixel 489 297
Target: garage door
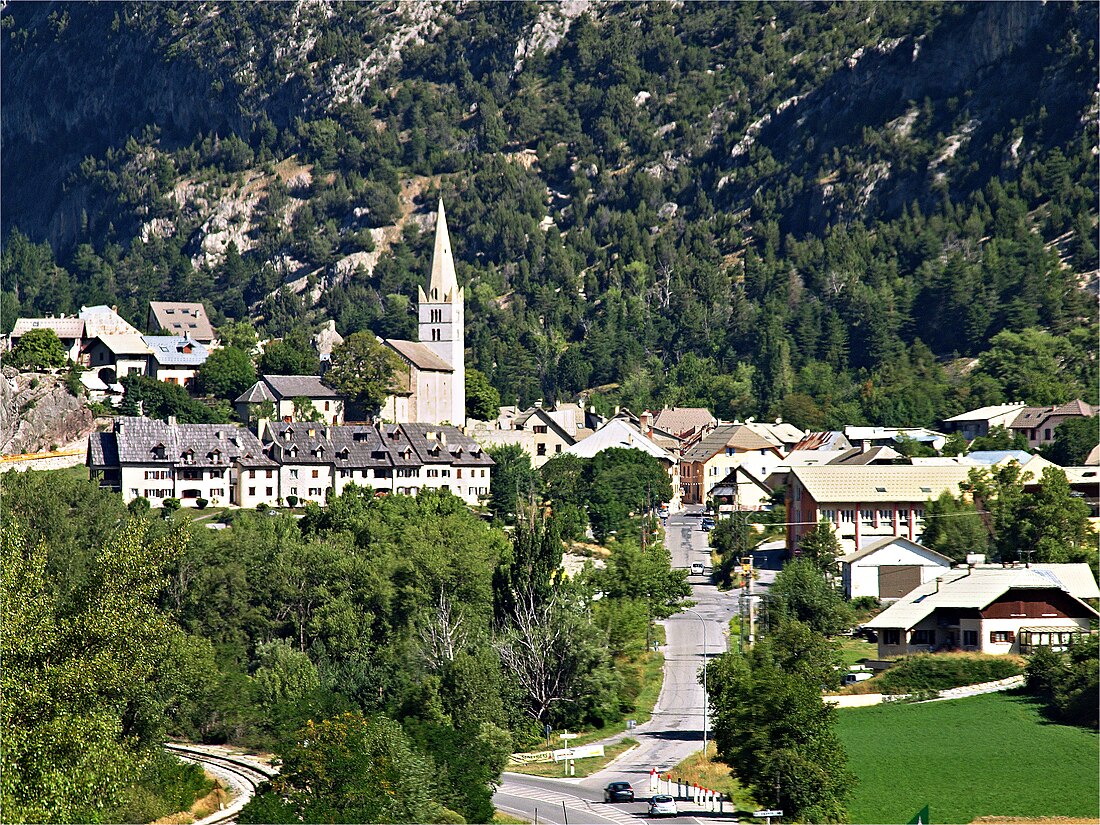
pixel 895 580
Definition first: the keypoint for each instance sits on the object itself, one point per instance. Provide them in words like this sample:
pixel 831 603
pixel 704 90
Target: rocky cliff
pixel 37 413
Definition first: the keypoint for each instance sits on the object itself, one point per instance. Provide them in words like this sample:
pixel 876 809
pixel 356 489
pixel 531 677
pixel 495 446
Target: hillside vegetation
pixel 861 212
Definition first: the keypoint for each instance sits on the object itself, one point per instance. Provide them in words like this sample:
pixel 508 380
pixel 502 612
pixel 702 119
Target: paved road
pixel 676 729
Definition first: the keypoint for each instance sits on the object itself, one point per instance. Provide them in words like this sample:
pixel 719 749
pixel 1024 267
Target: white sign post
pixel 767 815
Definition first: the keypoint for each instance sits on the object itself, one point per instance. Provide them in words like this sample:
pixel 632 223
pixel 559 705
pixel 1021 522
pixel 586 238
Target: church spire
pixel 444 284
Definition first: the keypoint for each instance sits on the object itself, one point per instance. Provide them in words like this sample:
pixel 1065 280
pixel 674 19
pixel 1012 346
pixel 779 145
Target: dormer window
pixel 312 433
pixel 216 456
pixel 293 451
pixel 189 457
pixel 344 453
pixel 378 455
pixel 319 451
pixel 287 433
pixel 158 451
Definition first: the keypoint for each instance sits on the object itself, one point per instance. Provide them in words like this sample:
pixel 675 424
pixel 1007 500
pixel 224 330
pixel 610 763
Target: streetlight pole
pixel 706 696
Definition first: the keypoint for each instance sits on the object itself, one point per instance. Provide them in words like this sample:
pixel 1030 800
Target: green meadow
pixel 992 755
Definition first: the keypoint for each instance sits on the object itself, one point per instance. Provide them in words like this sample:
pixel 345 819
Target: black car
pixel 618 792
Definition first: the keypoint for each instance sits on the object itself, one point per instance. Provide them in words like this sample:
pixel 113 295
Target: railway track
pixel 241 775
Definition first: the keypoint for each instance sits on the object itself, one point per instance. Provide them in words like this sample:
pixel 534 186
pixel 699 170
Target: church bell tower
pixel 441 315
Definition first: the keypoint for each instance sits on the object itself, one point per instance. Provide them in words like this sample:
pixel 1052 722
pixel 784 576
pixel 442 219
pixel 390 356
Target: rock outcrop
pixel 37 413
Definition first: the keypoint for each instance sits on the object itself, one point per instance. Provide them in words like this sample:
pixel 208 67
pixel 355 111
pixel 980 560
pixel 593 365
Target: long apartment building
pixel 865 502
pixel 284 463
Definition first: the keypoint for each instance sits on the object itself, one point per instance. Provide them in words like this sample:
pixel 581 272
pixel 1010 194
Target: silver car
pixel 662 806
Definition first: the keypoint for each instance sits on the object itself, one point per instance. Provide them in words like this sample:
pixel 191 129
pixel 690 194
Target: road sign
pixel 568 736
pixel 763 814
pixel 580 752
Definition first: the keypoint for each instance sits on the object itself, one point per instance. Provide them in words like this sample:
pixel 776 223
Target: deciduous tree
pixel 364 370
pixel 38 349
pixel 226 373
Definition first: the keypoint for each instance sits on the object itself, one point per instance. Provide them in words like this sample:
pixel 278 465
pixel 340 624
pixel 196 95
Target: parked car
pixel 857 674
pixel 708 523
pixel 697 568
pixel 662 806
pixel 618 792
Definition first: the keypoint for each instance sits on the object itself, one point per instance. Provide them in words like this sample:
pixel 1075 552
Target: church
pixel 433 390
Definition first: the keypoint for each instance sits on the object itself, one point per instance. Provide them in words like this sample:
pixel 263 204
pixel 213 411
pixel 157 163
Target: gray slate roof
pixel 292 386
pixel 441 444
pixel 171 350
pixel 137 440
pixel 256 394
pixel 419 355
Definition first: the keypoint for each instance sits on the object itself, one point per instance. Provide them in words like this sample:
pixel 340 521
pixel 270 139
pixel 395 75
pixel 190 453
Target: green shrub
pixel 292 501
pixel 940 671
pixel 171 505
pixel 262 507
pixel 166 786
pixel 201 503
pixel 139 506
pixel 865 603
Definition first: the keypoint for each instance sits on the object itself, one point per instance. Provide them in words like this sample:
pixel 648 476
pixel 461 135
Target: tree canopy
pixel 38 349
pixel 365 371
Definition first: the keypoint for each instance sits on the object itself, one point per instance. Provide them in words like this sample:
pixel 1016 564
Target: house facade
pixel 229 465
pixel 977 423
pixel 889 568
pixel 157 460
pixel 174 360
pixel 865 502
pixel 280 391
pixel 1037 424
pixel 118 354
pixel 990 610
pixel 705 465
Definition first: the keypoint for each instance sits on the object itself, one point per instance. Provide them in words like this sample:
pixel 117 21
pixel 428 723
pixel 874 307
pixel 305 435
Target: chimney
pixel 538 404
pixel 171 421
pixel 261 427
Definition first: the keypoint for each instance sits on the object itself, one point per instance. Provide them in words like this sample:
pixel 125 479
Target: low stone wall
pixel 53 460
pixel 862 700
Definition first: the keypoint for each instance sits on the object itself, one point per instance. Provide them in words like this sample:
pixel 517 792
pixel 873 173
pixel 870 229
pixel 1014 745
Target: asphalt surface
pixel 676 729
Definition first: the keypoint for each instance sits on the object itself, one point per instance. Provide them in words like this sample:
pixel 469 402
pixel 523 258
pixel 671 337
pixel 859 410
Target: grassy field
pixel 853 651
pixel 584 767
pixel 991 755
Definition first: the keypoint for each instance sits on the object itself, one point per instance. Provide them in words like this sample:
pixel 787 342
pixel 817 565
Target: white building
pixel 229 465
pixel 889 568
pixel 865 502
pixel 143 457
pixel 990 610
pixel 281 391
pixel 174 360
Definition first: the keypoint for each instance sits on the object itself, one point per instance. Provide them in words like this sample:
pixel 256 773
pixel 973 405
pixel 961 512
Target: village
pixel 871 485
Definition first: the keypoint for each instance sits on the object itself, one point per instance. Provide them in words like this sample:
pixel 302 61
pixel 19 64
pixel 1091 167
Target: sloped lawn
pixel 965 758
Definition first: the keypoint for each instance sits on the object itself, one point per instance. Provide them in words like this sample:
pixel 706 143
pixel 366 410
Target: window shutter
pixel 1010 636
pixel 992 636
